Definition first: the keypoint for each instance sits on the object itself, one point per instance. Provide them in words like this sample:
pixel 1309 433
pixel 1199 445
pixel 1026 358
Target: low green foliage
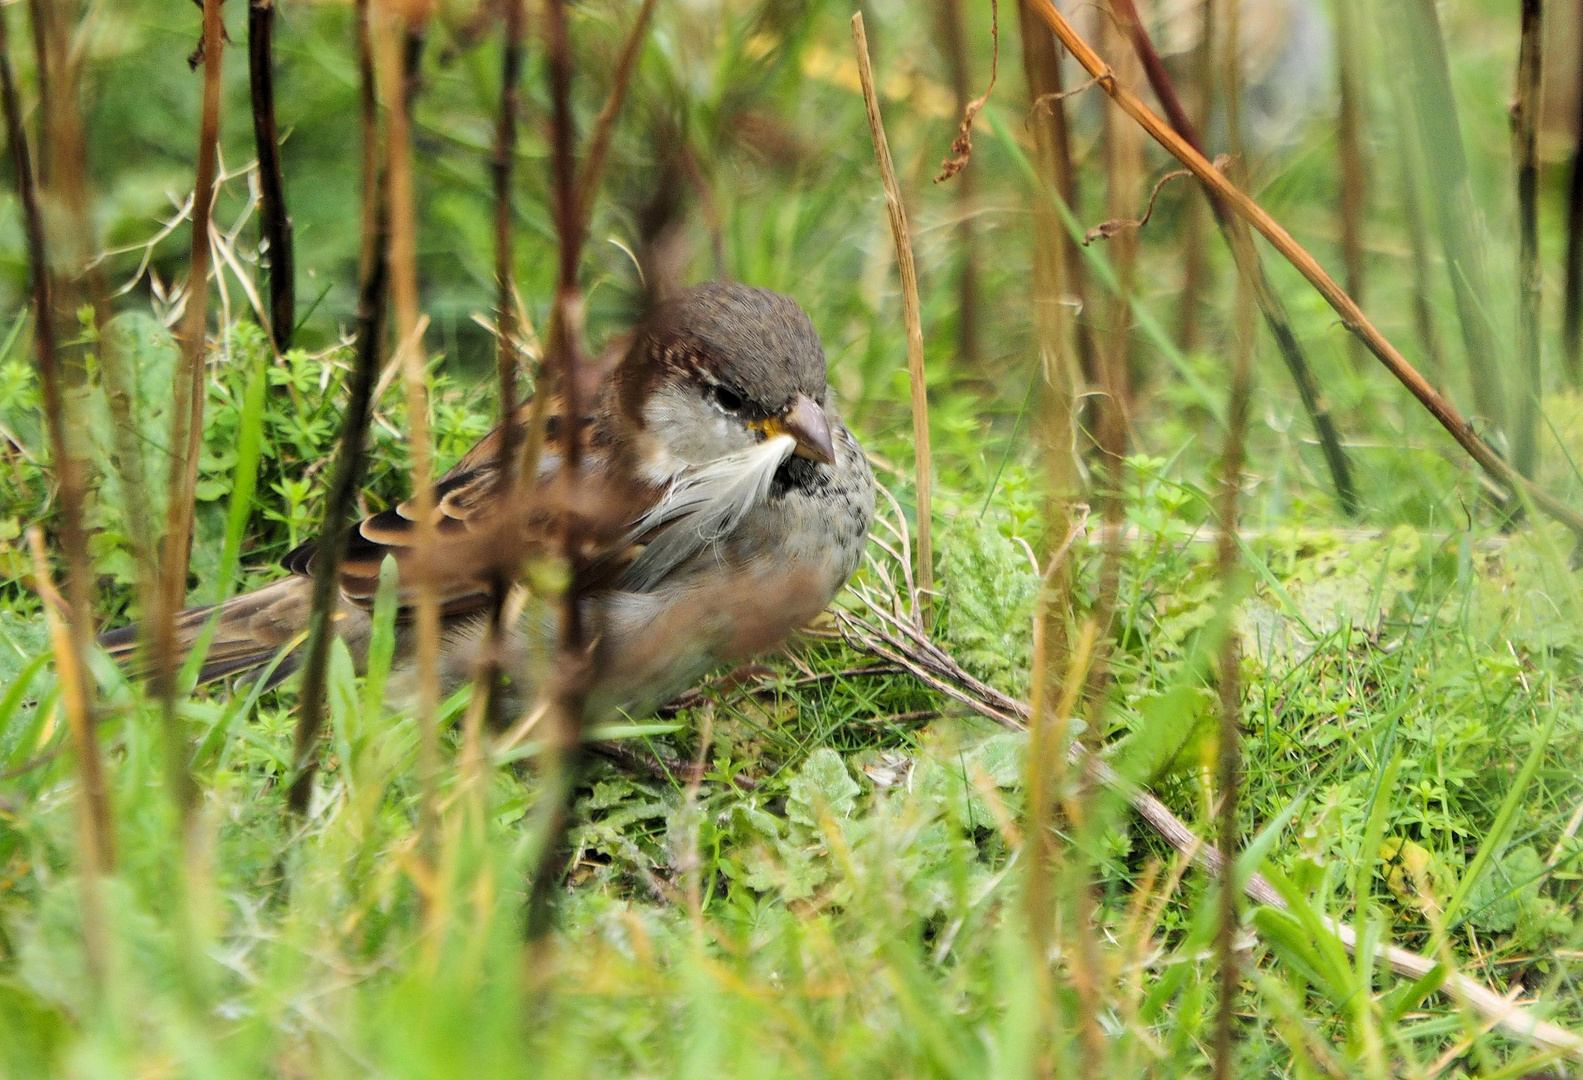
pixel 842 887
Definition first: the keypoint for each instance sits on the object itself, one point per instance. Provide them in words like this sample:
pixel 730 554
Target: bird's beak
pixel 805 421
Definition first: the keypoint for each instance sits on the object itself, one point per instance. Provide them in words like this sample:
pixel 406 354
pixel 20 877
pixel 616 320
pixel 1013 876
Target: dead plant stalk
pixel 393 192
pixel 1352 316
pixel 574 665
pixel 902 237
pixel 1525 151
pixel 272 189
pixel 70 621
pixel 1228 558
pixel 186 436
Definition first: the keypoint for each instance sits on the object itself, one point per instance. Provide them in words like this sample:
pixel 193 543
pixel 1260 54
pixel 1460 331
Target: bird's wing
pixel 476 532
pixel 635 533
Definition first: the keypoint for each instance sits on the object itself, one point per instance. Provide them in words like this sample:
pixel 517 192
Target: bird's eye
pixel 727 399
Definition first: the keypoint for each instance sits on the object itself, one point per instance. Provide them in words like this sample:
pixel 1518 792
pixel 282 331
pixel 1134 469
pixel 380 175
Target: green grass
pixel 844 891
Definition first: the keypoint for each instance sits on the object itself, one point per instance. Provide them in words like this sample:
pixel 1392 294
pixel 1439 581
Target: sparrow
pixel 722 502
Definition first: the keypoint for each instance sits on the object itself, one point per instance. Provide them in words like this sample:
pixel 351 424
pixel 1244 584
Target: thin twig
pixel 1352 316
pixel 1049 100
pixel 1525 150
pixel 272 189
pixel 1572 318
pixel 95 828
pixel 71 620
pixel 910 313
pixel 1349 145
pixel 574 665
pixel 186 436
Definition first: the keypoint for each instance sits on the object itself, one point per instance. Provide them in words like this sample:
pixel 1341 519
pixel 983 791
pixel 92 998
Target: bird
pixel 723 504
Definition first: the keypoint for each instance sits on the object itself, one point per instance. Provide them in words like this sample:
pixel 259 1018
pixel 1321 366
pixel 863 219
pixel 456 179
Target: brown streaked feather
pixel 481 538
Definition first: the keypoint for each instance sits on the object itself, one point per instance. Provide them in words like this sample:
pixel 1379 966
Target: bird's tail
pixel 251 629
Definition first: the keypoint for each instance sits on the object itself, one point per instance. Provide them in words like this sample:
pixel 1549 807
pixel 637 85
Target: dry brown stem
pixel 271 187
pixel 953 39
pixel 1352 316
pixel 902 237
pixel 186 436
pixel 1349 143
pixel 1525 150
pixel 1572 317
pixel 1228 557
pixel 95 828
pixel 70 620
pixel 574 664
pixel 390 189
pixel 1572 314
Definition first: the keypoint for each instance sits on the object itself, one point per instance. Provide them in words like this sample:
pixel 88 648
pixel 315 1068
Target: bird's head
pixel 721 367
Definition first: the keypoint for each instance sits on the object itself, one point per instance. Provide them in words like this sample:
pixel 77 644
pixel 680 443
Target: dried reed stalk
pixel 186 436
pixel 897 211
pixel 1572 317
pixel 1195 267
pixel 399 44
pixel 1351 315
pixel 1229 565
pixel 1049 111
pixel 71 627
pixel 1349 144
pixel 1123 175
pixel 1056 675
pixel 63 173
pixel 574 665
pixel 339 503
pixel 96 838
pixel 486 679
pixel 952 35
pixel 275 222
pixel 1525 151
pixel 1247 258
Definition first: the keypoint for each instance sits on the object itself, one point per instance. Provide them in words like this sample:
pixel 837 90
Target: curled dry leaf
pixel 1106 229
pixel 962 145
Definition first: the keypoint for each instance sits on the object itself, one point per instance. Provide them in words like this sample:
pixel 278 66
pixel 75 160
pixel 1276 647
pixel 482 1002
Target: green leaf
pixel 822 786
